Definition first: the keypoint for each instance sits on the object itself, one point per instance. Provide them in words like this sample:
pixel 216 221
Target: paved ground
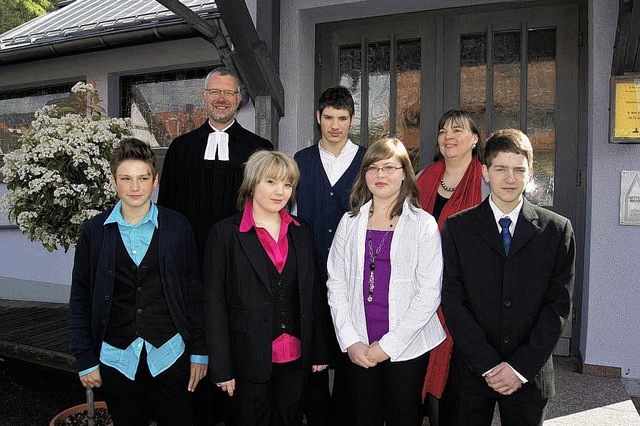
pixel 32 395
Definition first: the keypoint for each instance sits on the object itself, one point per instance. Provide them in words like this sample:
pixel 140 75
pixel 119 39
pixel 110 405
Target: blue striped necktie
pixel 505 222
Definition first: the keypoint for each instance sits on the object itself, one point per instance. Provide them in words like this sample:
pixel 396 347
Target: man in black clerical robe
pixel 202 170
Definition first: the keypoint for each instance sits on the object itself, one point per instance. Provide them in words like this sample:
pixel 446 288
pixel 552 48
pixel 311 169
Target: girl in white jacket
pixel 385 276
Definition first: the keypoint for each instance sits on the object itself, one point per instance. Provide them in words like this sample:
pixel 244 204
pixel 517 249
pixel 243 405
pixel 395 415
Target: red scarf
pixel 468 193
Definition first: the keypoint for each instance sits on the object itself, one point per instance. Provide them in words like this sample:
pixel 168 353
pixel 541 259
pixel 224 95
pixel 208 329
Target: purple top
pixel 377 311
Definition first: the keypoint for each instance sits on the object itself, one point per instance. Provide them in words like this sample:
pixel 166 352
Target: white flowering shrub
pixel 60 175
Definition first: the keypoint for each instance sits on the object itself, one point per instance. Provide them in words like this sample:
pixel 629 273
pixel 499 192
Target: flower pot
pixel 57 420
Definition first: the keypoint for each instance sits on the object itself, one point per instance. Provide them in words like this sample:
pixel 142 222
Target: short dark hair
pixel 508 140
pixel 465 120
pixel 133 149
pixel 337 97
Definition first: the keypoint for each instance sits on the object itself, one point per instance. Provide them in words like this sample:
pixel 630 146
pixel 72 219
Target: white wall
pixel 610 312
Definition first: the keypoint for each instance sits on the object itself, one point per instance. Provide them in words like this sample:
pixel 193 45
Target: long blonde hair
pixel 383 149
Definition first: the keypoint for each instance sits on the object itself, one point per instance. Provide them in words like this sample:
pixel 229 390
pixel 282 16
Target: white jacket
pixel 414 287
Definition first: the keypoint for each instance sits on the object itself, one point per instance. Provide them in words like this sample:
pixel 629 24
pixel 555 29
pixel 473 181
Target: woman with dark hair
pixel 385 276
pixel 452 183
pixel 264 300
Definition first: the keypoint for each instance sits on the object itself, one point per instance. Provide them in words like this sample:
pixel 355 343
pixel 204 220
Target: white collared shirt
pixel 335 167
pixel 513 214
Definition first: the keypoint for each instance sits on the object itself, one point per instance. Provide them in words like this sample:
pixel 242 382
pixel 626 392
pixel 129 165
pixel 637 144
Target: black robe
pixel 206 191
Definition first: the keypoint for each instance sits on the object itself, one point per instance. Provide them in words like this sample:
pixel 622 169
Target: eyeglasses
pixel 225 93
pixel 372 170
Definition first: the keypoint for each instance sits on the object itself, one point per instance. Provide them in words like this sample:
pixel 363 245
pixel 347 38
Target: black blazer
pixel 93 279
pixel 238 302
pixel 507 308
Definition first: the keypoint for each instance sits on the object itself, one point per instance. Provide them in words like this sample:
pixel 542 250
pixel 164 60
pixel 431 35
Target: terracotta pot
pixel 78 408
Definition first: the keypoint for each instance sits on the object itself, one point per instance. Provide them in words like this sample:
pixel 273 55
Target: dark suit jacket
pixel 507 308
pixel 93 279
pixel 238 302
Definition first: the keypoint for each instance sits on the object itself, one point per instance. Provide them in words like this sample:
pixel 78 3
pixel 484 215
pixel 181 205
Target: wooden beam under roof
pixel 250 58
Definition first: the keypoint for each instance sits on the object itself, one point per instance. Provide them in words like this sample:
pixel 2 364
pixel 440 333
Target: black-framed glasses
pixel 218 92
pixel 372 170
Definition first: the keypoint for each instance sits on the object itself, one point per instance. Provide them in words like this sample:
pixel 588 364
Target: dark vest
pixel 321 204
pixel 286 297
pixel 139 307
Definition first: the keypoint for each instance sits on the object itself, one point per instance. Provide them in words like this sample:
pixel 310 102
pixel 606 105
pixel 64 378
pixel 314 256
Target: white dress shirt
pixel 513 215
pixel 414 287
pixel 335 167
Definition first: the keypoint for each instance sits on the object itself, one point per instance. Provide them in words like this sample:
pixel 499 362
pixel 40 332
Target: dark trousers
pixel 478 410
pixel 210 405
pixel 163 398
pixel 389 393
pixel 277 402
pixel 324 408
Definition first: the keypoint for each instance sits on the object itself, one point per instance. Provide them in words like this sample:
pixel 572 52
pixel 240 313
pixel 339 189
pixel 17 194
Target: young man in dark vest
pixel 137 326
pixel 328 170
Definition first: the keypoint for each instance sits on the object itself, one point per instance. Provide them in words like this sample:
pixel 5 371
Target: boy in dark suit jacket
pixel 508 283
pixel 137 327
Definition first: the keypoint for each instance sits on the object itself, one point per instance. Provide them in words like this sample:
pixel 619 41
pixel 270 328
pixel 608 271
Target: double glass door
pixel 511 68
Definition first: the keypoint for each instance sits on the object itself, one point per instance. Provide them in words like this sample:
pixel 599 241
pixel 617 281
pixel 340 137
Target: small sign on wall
pixel 624 121
pixel 630 198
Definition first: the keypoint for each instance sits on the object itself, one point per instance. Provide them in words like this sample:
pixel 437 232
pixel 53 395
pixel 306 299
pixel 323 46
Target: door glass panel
pixel 541 110
pixel 350 61
pixel 473 77
pixel 408 98
pixel 379 58
pixel 506 80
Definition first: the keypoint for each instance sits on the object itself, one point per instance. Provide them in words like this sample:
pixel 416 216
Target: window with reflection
pixel 408 82
pixel 379 61
pixel 505 95
pixel 506 80
pixel 541 112
pixel 350 63
pixel 17 108
pixel 473 78
pixel 400 116
pixel 163 105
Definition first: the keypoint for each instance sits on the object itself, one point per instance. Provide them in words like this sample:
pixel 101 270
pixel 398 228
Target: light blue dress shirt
pixel 136 239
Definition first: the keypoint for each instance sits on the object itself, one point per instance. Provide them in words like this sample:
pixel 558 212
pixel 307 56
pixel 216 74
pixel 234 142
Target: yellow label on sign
pixel 627 123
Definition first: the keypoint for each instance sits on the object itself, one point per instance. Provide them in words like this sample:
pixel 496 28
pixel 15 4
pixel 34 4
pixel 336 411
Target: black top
pixel 206 191
pixel 438 206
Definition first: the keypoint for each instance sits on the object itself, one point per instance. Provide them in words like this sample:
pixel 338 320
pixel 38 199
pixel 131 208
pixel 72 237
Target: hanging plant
pixel 60 176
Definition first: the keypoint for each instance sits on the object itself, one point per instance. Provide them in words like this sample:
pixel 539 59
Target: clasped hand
pixel 366 356
pixel 503 380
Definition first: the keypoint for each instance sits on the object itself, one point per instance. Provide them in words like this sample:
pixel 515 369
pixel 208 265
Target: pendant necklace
pixel 372 259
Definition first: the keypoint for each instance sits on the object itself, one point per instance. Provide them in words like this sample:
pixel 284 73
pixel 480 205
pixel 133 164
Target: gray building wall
pixel 610 309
